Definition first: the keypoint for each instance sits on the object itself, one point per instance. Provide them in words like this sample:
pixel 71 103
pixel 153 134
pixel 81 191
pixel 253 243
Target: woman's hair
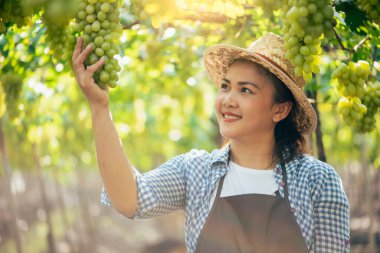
pixel 289 142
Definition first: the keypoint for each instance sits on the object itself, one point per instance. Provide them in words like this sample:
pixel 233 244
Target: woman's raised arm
pixel 115 168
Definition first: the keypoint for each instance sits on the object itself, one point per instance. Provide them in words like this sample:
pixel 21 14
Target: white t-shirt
pixel 241 180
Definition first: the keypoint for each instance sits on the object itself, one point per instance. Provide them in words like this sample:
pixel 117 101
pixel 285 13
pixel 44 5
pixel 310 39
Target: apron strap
pixel 285 177
pixel 220 186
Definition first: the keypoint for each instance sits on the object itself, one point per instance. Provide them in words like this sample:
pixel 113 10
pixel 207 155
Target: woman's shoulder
pixel 320 174
pixel 315 166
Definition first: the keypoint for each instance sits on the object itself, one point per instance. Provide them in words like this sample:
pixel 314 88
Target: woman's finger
pixel 82 56
pixel 77 49
pixel 94 67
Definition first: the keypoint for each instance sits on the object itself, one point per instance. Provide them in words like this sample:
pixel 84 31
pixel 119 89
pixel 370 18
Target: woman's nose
pixel 230 101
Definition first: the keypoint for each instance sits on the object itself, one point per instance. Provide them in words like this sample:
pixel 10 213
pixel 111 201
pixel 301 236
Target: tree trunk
pixel 62 209
pixel 371 247
pixel 50 235
pixel 89 240
pixel 318 131
pixel 11 202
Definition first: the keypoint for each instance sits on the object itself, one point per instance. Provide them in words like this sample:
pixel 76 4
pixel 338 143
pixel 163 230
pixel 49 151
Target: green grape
pixel 99 41
pixel 102 16
pixel 105 24
pixel 101 26
pixel 104 76
pixel 106 46
pixel 90 9
pixel 96 26
pixel 99 52
pixel 106 7
pixel 91 18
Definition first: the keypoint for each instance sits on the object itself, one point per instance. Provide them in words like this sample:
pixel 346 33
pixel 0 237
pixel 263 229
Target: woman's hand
pixel 97 98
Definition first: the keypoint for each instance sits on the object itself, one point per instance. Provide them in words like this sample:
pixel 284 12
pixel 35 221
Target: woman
pixel 259 193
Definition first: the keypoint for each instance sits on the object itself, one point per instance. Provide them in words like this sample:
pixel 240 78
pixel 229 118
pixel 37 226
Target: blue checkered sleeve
pixel 331 212
pixel 161 190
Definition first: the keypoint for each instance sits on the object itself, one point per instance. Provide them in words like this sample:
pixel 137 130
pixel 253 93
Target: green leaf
pixel 355 18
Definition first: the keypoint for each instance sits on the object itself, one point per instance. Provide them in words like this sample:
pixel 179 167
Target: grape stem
pixel 351 50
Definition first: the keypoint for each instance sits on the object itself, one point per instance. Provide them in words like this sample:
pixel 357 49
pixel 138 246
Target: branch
pixel 351 50
pixel 361 43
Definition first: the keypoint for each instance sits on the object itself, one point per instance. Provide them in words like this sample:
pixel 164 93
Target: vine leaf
pixel 354 18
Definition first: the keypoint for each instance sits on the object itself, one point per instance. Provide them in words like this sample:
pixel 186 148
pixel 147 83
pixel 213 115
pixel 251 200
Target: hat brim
pixel 218 58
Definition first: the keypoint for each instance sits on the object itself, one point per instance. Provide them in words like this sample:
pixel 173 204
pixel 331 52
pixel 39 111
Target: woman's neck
pixel 256 154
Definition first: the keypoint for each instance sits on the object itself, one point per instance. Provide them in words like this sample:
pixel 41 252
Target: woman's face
pixel 244 103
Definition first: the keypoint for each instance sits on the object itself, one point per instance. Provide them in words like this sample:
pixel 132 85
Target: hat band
pixel 275 64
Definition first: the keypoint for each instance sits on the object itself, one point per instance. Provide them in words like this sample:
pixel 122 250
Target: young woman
pixel 260 193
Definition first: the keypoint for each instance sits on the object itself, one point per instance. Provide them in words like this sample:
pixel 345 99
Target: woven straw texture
pixel 269 52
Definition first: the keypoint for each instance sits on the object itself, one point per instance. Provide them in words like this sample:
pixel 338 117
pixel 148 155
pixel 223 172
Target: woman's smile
pixel 230 117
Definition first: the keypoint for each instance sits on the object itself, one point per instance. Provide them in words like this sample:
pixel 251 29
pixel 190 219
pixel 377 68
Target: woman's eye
pixel 246 90
pixel 223 86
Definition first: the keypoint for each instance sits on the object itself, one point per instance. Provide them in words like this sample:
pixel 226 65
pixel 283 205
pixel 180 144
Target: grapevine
pixel 12 11
pixel 371 7
pixel 99 22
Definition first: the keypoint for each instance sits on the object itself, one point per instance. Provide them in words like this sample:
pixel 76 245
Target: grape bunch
pixel 352 109
pixel 11 84
pixel 57 38
pixel 11 11
pixel 371 99
pixel 99 21
pixel 371 7
pixel 305 23
pixel 352 77
pixel 56 17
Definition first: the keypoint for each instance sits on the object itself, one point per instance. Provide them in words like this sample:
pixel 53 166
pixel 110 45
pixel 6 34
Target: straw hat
pixel 269 52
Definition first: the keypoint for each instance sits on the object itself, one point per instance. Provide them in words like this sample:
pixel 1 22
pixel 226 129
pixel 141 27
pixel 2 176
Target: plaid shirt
pixel 187 182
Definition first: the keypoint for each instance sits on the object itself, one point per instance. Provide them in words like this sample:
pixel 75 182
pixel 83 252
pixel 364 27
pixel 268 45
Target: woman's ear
pixel 281 111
